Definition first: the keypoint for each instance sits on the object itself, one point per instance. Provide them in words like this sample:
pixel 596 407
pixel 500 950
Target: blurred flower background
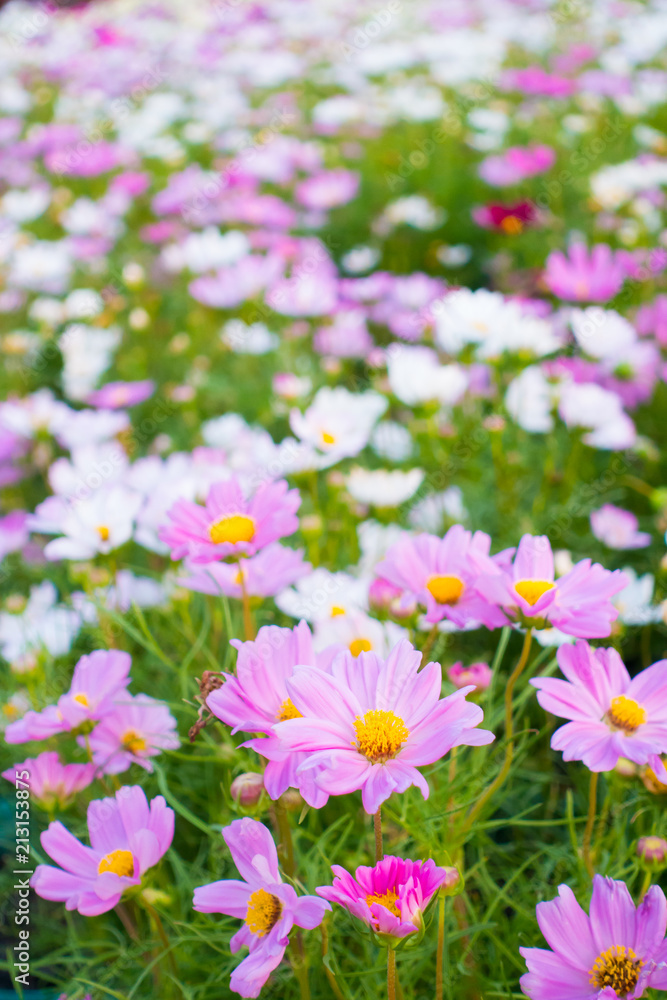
pixel 334 344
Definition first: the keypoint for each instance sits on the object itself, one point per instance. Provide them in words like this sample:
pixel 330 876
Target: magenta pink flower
pixel 515 164
pixel 578 603
pixel 582 276
pixel 230 524
pixel 127 838
pixel 391 897
pixel 268 907
pixel 611 714
pixel 257 698
pixel 265 574
pixel 116 395
pixel 617 951
pixel 98 678
pixel 477 674
pixel 441 574
pixel 370 723
pixel 52 783
pixel 536 81
pixel 617 528
pixel 138 728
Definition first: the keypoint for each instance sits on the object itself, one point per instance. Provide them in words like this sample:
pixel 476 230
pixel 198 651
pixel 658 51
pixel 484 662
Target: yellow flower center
pixel 263 912
pixel 233 529
pixel 360 646
pixel 387 899
pixel 118 862
pixel 380 735
pixel 511 225
pixel 626 714
pixel 337 610
pixel 103 532
pixel 82 700
pixel 532 590
pixel 618 967
pixel 288 711
pixel 328 438
pixel 445 589
pixel 133 742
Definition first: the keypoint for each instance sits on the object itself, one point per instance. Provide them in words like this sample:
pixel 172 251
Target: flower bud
pixel 478 674
pixel 247 789
pixel 652 851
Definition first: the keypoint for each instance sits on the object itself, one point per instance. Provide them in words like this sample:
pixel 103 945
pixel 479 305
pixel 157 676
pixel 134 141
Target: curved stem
pixel 329 974
pixel 286 844
pixel 391 974
pixel 377 826
pixel 428 645
pixel 248 625
pixel 509 734
pixel 439 955
pixel 300 966
pixel 590 823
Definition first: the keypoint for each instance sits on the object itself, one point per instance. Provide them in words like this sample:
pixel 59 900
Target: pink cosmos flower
pixel 578 603
pixel 370 723
pixel 229 524
pixel 617 951
pixel 477 674
pixel 116 395
pixel 138 728
pixel 536 81
pixel 611 714
pixel 515 164
pixel 441 574
pixel 617 528
pixel 582 276
pixel 98 679
pixel 264 575
pixel 268 907
pixel 327 189
pixel 257 697
pixel 391 897
pixel 14 532
pixel 127 838
pixel 52 783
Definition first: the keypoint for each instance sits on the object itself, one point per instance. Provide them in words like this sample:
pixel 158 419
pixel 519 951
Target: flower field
pixel 333 499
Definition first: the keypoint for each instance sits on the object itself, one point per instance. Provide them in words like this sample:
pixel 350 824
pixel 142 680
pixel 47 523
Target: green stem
pixel 155 917
pixel 328 972
pixel 300 966
pixel 428 645
pixel 286 844
pixel 248 625
pixel 440 953
pixel 646 885
pixel 499 780
pixel 590 823
pixel 377 827
pixel 391 974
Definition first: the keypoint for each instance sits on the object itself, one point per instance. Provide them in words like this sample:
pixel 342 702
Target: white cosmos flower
pixel 33 414
pixel 24 206
pixel 602 333
pixel 416 376
pixel 429 514
pixel 382 487
pixel 585 404
pixel 530 399
pixel 634 602
pixel 99 523
pixel 338 423
pixel 87 353
pixel 497 325
pixel 321 595
pixel 357 632
pixel 43 266
pixel 41 625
